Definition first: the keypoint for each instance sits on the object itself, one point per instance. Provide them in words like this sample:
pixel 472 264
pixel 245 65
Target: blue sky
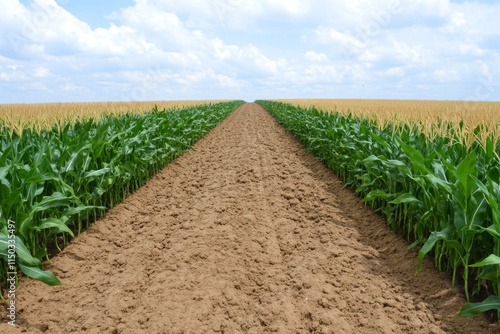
pixel 73 50
pixel 94 12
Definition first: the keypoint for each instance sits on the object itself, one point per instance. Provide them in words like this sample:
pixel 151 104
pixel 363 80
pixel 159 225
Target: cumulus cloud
pixel 316 57
pixel 224 48
pixel 395 71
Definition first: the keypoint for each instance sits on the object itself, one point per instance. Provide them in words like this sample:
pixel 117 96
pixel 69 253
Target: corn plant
pixel 55 182
pixel 442 193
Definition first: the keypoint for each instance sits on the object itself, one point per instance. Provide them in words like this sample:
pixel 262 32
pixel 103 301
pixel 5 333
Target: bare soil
pixel 248 233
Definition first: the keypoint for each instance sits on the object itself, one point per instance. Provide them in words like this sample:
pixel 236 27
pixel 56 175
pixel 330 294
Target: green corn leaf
pixel 492 259
pixel 37 177
pixel 54 200
pixel 490 197
pixel 4 241
pixel 53 223
pixel 439 170
pixel 4 171
pixel 465 170
pixel 413 244
pixel 70 165
pixel 5 183
pixel 45 276
pixel 74 211
pixel 21 250
pixel 491 230
pixel 489 273
pixel 376 194
pixel 471 309
pixel 371 158
pixel 94 173
pixel 399 164
pixel 479 211
pixel 440 184
pixel 405 198
pixel 415 156
pixel 429 244
pixel 24 255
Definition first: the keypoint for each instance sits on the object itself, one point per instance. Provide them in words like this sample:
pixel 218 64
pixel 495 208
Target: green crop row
pixel 54 183
pixel 442 194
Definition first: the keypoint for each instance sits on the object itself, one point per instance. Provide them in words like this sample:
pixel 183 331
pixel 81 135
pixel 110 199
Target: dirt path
pixel 247 234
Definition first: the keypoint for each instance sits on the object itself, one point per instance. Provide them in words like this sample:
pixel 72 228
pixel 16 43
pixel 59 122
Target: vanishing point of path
pixel 247 233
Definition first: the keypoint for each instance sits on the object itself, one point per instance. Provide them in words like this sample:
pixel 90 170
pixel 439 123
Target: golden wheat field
pixel 44 115
pixel 431 117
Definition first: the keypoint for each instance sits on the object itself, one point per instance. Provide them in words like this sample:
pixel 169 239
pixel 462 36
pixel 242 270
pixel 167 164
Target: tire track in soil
pixel 248 233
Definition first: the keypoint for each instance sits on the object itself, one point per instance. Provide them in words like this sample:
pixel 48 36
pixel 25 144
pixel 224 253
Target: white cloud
pixel 405 52
pixel 248 57
pixel 330 35
pixel 395 71
pixel 316 57
pixel 11 73
pixel 469 49
pixel 41 72
pixel 446 75
pixel 37 86
pixel 174 49
pixel 71 87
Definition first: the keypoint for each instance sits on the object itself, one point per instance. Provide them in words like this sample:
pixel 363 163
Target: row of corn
pixel 55 182
pixel 442 193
